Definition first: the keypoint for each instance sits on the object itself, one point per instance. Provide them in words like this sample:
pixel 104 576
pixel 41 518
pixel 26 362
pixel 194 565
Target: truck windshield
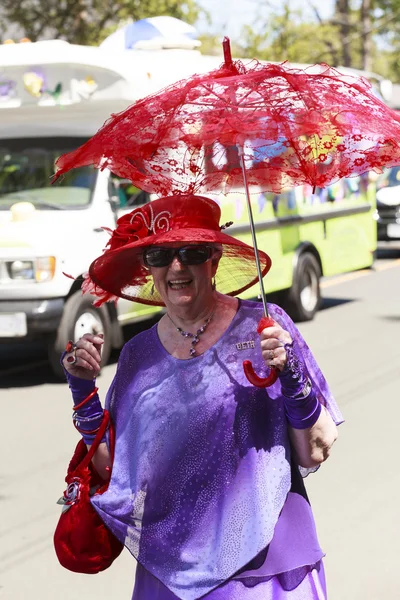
pixel 26 169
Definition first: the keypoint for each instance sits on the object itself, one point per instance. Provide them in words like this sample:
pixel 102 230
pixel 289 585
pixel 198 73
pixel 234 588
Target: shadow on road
pixel 391 318
pixel 28 374
pixel 388 250
pixel 332 302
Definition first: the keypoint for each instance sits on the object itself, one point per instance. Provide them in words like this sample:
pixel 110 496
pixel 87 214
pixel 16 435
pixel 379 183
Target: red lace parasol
pixel 266 125
pixel 311 126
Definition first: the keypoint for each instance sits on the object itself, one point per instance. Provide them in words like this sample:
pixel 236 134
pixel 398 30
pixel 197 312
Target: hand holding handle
pixel 261 382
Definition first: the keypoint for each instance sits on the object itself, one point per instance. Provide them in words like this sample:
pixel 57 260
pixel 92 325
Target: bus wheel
pixel 303 299
pixel 79 317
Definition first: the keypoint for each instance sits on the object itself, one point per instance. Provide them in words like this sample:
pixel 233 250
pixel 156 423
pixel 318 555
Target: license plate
pixel 393 230
pixel 13 325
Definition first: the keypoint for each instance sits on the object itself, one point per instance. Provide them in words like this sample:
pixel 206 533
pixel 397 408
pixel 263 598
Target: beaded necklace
pixel 195 337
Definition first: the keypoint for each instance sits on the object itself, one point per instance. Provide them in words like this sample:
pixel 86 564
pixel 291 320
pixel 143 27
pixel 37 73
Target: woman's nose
pixel 176 264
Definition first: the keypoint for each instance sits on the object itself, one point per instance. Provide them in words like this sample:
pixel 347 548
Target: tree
pixel 363 34
pixel 366 34
pixel 286 36
pixel 87 21
pixel 387 61
pixel 342 19
pixel 211 44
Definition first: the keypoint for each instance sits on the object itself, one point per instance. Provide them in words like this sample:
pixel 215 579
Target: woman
pixel 206 490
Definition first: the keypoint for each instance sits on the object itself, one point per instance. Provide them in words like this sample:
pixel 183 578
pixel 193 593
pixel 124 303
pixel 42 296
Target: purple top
pixel 202 469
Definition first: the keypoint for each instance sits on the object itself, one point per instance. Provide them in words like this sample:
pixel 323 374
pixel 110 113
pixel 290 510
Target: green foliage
pixel 293 44
pixel 211 44
pixel 87 21
pixel 285 34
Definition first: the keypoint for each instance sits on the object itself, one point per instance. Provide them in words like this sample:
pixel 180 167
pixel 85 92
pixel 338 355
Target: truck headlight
pixel 21 269
pixel 39 270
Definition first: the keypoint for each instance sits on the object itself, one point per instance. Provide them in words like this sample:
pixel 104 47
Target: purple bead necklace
pixel 195 337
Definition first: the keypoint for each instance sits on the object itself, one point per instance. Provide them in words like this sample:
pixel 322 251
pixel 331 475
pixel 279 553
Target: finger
pixel 273 353
pixel 270 332
pixel 83 354
pixel 275 364
pixel 97 338
pixel 276 333
pixel 85 344
pixel 99 345
pixel 67 365
pixel 81 363
pixel 274 357
pixel 271 344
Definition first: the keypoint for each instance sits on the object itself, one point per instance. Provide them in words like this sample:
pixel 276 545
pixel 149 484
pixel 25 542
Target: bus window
pixel 129 196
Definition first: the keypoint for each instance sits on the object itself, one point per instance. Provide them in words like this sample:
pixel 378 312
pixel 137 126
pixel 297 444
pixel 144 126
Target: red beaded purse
pixel 82 541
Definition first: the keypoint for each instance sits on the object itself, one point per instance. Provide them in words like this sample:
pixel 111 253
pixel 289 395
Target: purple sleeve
pixel 319 384
pixel 89 417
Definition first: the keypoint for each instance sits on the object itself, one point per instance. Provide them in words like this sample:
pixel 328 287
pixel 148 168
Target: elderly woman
pixel 206 489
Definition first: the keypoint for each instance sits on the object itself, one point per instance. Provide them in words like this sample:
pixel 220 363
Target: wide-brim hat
pixel 120 272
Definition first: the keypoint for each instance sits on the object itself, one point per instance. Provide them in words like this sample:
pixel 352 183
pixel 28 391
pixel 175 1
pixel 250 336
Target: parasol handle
pixel 226 45
pixel 261 382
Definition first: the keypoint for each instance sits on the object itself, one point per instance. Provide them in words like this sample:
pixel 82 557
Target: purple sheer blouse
pixel 204 489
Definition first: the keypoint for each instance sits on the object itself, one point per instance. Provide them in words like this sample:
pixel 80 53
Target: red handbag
pixel 82 541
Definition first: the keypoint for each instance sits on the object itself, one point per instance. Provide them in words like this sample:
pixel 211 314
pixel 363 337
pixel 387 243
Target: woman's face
pixel 181 285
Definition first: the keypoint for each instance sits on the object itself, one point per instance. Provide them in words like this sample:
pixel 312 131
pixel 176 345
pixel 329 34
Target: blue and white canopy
pixel 152 34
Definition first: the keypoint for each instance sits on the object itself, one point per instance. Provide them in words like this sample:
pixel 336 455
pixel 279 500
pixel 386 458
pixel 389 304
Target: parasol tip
pixel 226 45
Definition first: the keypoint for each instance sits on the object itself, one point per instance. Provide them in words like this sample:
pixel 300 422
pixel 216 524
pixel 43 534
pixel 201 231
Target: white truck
pixel 54 96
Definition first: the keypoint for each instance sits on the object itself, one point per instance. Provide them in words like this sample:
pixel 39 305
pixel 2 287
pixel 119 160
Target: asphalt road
pixel 354 495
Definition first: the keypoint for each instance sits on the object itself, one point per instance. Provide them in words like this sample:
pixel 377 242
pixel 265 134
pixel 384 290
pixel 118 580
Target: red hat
pixel 120 273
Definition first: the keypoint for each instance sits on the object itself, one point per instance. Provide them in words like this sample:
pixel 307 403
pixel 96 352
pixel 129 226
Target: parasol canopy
pixel 296 127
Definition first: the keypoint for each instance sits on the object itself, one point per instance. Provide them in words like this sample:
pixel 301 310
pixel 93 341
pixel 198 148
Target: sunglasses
pixel 187 255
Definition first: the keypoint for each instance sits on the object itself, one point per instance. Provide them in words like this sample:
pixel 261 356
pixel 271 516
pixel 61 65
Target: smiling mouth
pixel 179 284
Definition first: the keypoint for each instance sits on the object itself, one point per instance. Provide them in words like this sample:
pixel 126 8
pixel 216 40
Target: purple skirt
pixel 279 587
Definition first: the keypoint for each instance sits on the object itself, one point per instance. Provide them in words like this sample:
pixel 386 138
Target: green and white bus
pixel 308 236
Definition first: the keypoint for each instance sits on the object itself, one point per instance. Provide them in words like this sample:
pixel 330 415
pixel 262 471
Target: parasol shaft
pixel 252 228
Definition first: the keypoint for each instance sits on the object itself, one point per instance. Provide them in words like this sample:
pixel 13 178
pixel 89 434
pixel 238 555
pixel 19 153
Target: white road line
pixel 357 274
pixel 389 265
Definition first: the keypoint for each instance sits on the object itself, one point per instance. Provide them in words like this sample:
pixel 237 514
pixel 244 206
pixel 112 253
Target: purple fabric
pixel 301 403
pixel 80 388
pixel 294 536
pixel 302 413
pixel 90 416
pixel 294 377
pixel 202 466
pixel 303 583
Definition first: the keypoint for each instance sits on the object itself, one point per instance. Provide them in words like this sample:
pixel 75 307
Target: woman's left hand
pixel 273 340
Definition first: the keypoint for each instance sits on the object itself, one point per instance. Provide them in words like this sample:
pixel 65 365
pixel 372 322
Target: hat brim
pixel 121 272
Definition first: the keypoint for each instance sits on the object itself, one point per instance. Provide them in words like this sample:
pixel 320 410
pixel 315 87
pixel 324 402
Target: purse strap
pixel 97 440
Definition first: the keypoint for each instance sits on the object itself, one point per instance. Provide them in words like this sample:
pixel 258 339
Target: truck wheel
pixel 79 317
pixel 304 297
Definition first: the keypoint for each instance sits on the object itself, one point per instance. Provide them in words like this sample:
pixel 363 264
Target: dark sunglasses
pixel 187 255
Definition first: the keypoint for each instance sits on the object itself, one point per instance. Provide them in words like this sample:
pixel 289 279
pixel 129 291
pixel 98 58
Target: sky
pixel 229 16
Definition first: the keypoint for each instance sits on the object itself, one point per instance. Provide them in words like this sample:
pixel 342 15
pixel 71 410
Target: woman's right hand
pixel 88 357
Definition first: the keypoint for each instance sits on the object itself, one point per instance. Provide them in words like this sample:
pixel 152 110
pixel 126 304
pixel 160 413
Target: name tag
pixel 245 345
